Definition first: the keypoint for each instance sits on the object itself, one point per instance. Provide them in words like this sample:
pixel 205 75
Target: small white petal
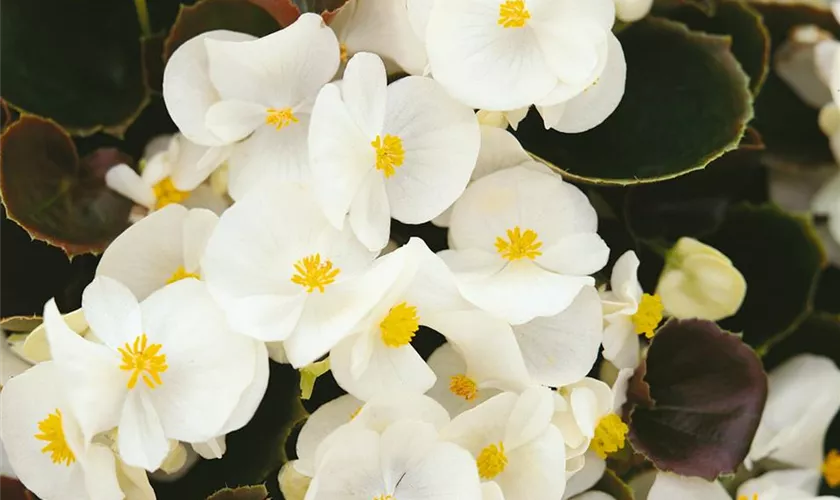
pixel 124 180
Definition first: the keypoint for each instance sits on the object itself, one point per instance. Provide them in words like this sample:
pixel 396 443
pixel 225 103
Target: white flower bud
pixel 293 484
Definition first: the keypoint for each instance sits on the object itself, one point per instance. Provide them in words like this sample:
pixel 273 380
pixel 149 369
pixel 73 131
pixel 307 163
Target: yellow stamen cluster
pixel 831 468
pixel 280 117
pixel 52 432
pixel 389 154
pixel 312 273
pixel 609 435
pixel 342 52
pixel 400 325
pixel 355 413
pixel 745 497
pixel 463 386
pixel 491 461
pixel 519 245
pixel 648 315
pixel 143 358
pixel 166 193
pixel 181 274
pixel 384 497
pixel 513 14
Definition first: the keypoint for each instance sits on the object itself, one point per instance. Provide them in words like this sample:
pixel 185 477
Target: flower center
pixel 181 274
pixel 342 52
pixel 831 468
pixel 143 357
pixel 745 497
pixel 389 153
pixel 312 273
pixel 491 461
pixel 52 432
pixel 648 315
pixel 519 245
pixel 609 435
pixel 513 14
pixel 280 117
pixel 384 497
pixel 462 385
pixel 400 325
pixel 166 193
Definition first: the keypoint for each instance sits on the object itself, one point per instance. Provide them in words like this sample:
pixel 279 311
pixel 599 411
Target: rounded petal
pixel 124 180
pixel 253 394
pixel 350 468
pixel 363 87
pixel 143 258
pixel 370 213
pixel 323 421
pixel 667 486
pixel 111 311
pixel 198 226
pixel 499 150
pixel 187 89
pixel 232 120
pixel 485 424
pixel 577 254
pixel 194 163
pixel 530 417
pixel 482 64
pixel 141 438
pixel 562 349
pixel 624 281
pixel 532 469
pixel 446 363
pixel 593 468
pixel 441 139
pixel 630 11
pixel 621 343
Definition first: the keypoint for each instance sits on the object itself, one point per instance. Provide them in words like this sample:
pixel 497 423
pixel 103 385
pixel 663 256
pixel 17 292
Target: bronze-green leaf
pixel 77 62
pixel 707 390
pixel 53 194
pixel 687 102
pixel 257 492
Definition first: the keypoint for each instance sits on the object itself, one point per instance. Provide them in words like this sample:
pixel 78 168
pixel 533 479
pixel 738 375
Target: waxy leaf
pixel 257 492
pixel 818 334
pixel 828 291
pixel 77 62
pixel 707 391
pixel 53 194
pixel 687 102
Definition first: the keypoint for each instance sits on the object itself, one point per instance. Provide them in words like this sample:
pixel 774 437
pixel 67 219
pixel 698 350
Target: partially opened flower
pixel 516 449
pixel 508 54
pixel 405 150
pixel 629 11
pixel 168 368
pixel 628 313
pixel 173 175
pixel 45 442
pixel 384 28
pixel 523 243
pixel 227 89
pixel 163 248
pixel 281 272
pixel 406 460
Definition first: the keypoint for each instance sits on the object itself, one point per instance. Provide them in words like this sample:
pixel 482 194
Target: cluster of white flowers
pixel 304 152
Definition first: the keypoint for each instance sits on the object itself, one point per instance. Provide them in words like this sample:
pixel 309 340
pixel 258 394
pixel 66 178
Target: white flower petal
pixel 783 484
pixel 668 486
pixel 141 437
pixel 621 343
pixel 363 86
pixel 534 469
pixel 577 254
pixel 483 425
pixel 198 226
pixel 530 417
pixel 624 281
pixel 124 180
pixel 630 11
pixel 344 472
pixel 101 473
pixel 499 150
pixel 252 396
pixel 593 468
pixel 232 120
pixel 112 311
pixel 323 421
pixel 212 449
pixel 195 163
pixel 446 363
pixel 370 213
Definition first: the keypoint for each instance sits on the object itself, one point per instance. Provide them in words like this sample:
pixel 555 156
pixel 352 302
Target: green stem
pixel 143 17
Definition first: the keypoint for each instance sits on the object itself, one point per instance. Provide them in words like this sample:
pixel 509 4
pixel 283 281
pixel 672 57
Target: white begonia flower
pixel 45 442
pixel 668 486
pixel 174 175
pixel 226 87
pixel 584 478
pixel 792 484
pixel 168 368
pixel 797 63
pixel 629 11
pixel 698 281
pixel 628 313
pixel 384 28
pixel 405 150
pixel 514 444
pixel 36 347
pixel 502 55
pixel 280 271
pixel 162 248
pixel 523 243
pixel 801 403
pixel 407 460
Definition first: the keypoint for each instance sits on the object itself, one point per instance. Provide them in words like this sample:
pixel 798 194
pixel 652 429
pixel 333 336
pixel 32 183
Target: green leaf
pixel 750 38
pixel 781 258
pixel 257 492
pixel 706 6
pixel 828 291
pixel 55 196
pixel 788 125
pixel 696 400
pixel 818 334
pixel 77 62
pixel 254 453
pixel 687 102
pixel 208 15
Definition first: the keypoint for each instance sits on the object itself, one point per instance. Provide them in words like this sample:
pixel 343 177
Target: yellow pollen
pixel 609 435
pixel 312 273
pixel 513 14
pixel 519 245
pixel 389 153
pixel 166 193
pixel 280 117
pixel 831 468
pixel 462 385
pixel 400 325
pixel 491 461
pixel 342 54
pixel 384 497
pixel 142 357
pixel 745 497
pixel 52 432
pixel 181 274
pixel 648 315
pixel 355 413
